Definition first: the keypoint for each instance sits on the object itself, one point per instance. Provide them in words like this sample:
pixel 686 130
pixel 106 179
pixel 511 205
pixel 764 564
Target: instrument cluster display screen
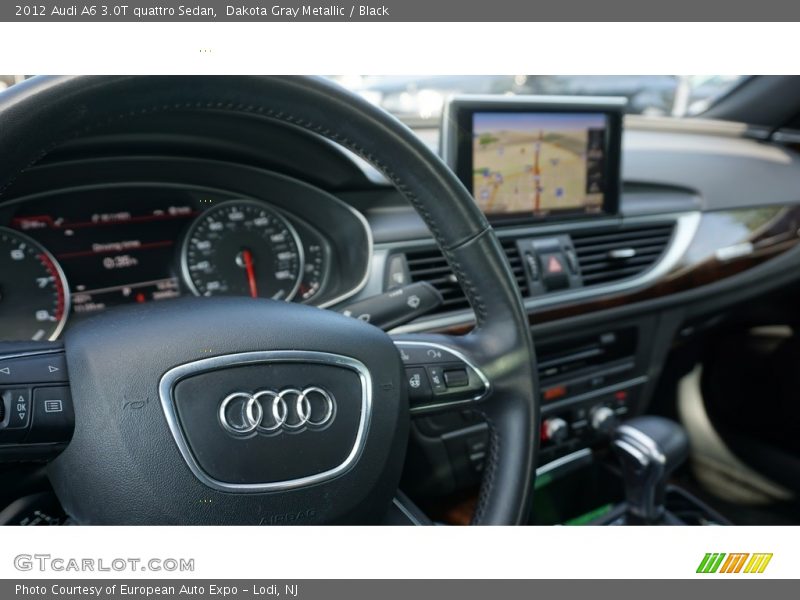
pixel 113 250
pixel 79 251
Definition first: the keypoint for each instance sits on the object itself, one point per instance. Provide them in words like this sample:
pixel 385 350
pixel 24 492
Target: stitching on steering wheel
pixel 477 302
pixel 487 485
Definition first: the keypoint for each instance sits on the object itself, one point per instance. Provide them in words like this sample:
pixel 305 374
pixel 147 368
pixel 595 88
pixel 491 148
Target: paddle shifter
pixel 649 448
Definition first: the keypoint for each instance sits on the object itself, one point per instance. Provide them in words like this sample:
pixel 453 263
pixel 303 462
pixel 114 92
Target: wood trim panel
pixel 726 243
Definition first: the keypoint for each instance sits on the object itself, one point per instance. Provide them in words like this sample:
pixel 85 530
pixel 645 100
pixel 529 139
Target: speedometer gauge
pixel 242 248
pixel 34 299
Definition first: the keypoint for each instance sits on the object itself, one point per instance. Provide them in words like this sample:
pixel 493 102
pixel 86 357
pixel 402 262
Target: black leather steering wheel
pixel 127 466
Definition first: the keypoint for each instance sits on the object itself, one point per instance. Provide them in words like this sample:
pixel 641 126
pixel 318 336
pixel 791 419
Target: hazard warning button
pixel 554 271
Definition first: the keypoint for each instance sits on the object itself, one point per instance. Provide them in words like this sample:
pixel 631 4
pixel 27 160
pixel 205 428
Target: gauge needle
pixel 247 256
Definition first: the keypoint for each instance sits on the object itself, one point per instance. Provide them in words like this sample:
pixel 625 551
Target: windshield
pixel 421 98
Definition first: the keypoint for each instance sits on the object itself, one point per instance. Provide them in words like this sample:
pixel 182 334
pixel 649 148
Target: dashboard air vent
pixel 429 265
pixel 610 255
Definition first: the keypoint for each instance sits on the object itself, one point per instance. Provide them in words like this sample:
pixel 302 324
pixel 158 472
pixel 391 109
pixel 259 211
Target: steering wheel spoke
pixel 440 375
pixel 36 415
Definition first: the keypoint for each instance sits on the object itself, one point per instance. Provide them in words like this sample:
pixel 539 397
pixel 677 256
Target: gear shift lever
pixel 649 449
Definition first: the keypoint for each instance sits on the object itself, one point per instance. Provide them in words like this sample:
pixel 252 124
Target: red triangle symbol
pixel 554 265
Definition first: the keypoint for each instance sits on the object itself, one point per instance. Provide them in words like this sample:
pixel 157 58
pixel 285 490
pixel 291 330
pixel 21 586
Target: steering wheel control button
pixel 17 408
pixel 53 416
pixel 15 411
pixel 397 306
pixel 419 386
pixel 266 421
pixel 423 354
pixel 455 378
pixel 34 368
pixel 439 378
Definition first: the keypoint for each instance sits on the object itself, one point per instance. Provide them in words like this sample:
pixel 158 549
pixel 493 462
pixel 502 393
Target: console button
pixel 456 378
pixel 554 271
pixel 602 419
pixel 555 430
pixel 53 416
pixel 533 265
pixel 572 260
pixel 597 381
pixel 554 392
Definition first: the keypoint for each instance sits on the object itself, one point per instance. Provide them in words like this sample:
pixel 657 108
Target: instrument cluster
pixel 74 253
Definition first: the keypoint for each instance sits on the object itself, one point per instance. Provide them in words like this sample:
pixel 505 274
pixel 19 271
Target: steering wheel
pixel 315 404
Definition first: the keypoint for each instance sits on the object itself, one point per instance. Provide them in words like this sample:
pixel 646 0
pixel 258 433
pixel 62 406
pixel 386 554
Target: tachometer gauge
pixel 34 298
pixel 313 272
pixel 242 248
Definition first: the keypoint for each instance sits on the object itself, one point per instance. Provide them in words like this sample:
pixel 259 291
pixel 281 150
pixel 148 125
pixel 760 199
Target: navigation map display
pixel 539 163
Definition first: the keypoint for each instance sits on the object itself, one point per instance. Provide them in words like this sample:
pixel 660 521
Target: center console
pixel 589 382
pixel 541 170
pixel 546 174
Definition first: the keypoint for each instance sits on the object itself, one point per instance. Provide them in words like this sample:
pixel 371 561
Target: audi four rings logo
pixel 271 412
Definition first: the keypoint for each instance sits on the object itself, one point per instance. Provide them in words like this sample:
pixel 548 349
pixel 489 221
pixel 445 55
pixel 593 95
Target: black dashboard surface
pixel 114 208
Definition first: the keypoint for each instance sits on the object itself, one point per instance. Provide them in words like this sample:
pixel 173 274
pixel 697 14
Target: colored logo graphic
pixel 719 562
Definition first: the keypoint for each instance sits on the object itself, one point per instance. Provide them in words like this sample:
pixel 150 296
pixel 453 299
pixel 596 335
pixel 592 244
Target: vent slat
pixel 429 265
pixel 604 256
pixel 603 262
pixel 607 276
pixel 611 245
pixel 431 271
pixel 592 248
pixel 422 261
pixel 583 238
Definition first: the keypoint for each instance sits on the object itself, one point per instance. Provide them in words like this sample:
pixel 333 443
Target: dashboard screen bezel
pixel 456 144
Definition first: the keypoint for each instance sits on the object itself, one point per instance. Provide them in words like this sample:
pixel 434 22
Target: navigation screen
pixel 538 164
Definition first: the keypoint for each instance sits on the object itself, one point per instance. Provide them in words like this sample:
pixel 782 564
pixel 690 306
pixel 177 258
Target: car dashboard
pixel 97 232
pixel 709 218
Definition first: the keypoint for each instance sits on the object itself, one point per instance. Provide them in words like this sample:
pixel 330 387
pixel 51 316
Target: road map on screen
pixel 538 163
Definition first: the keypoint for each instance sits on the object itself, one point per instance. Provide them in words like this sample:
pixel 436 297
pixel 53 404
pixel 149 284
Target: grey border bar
pixel 413 11
pixel 728 587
